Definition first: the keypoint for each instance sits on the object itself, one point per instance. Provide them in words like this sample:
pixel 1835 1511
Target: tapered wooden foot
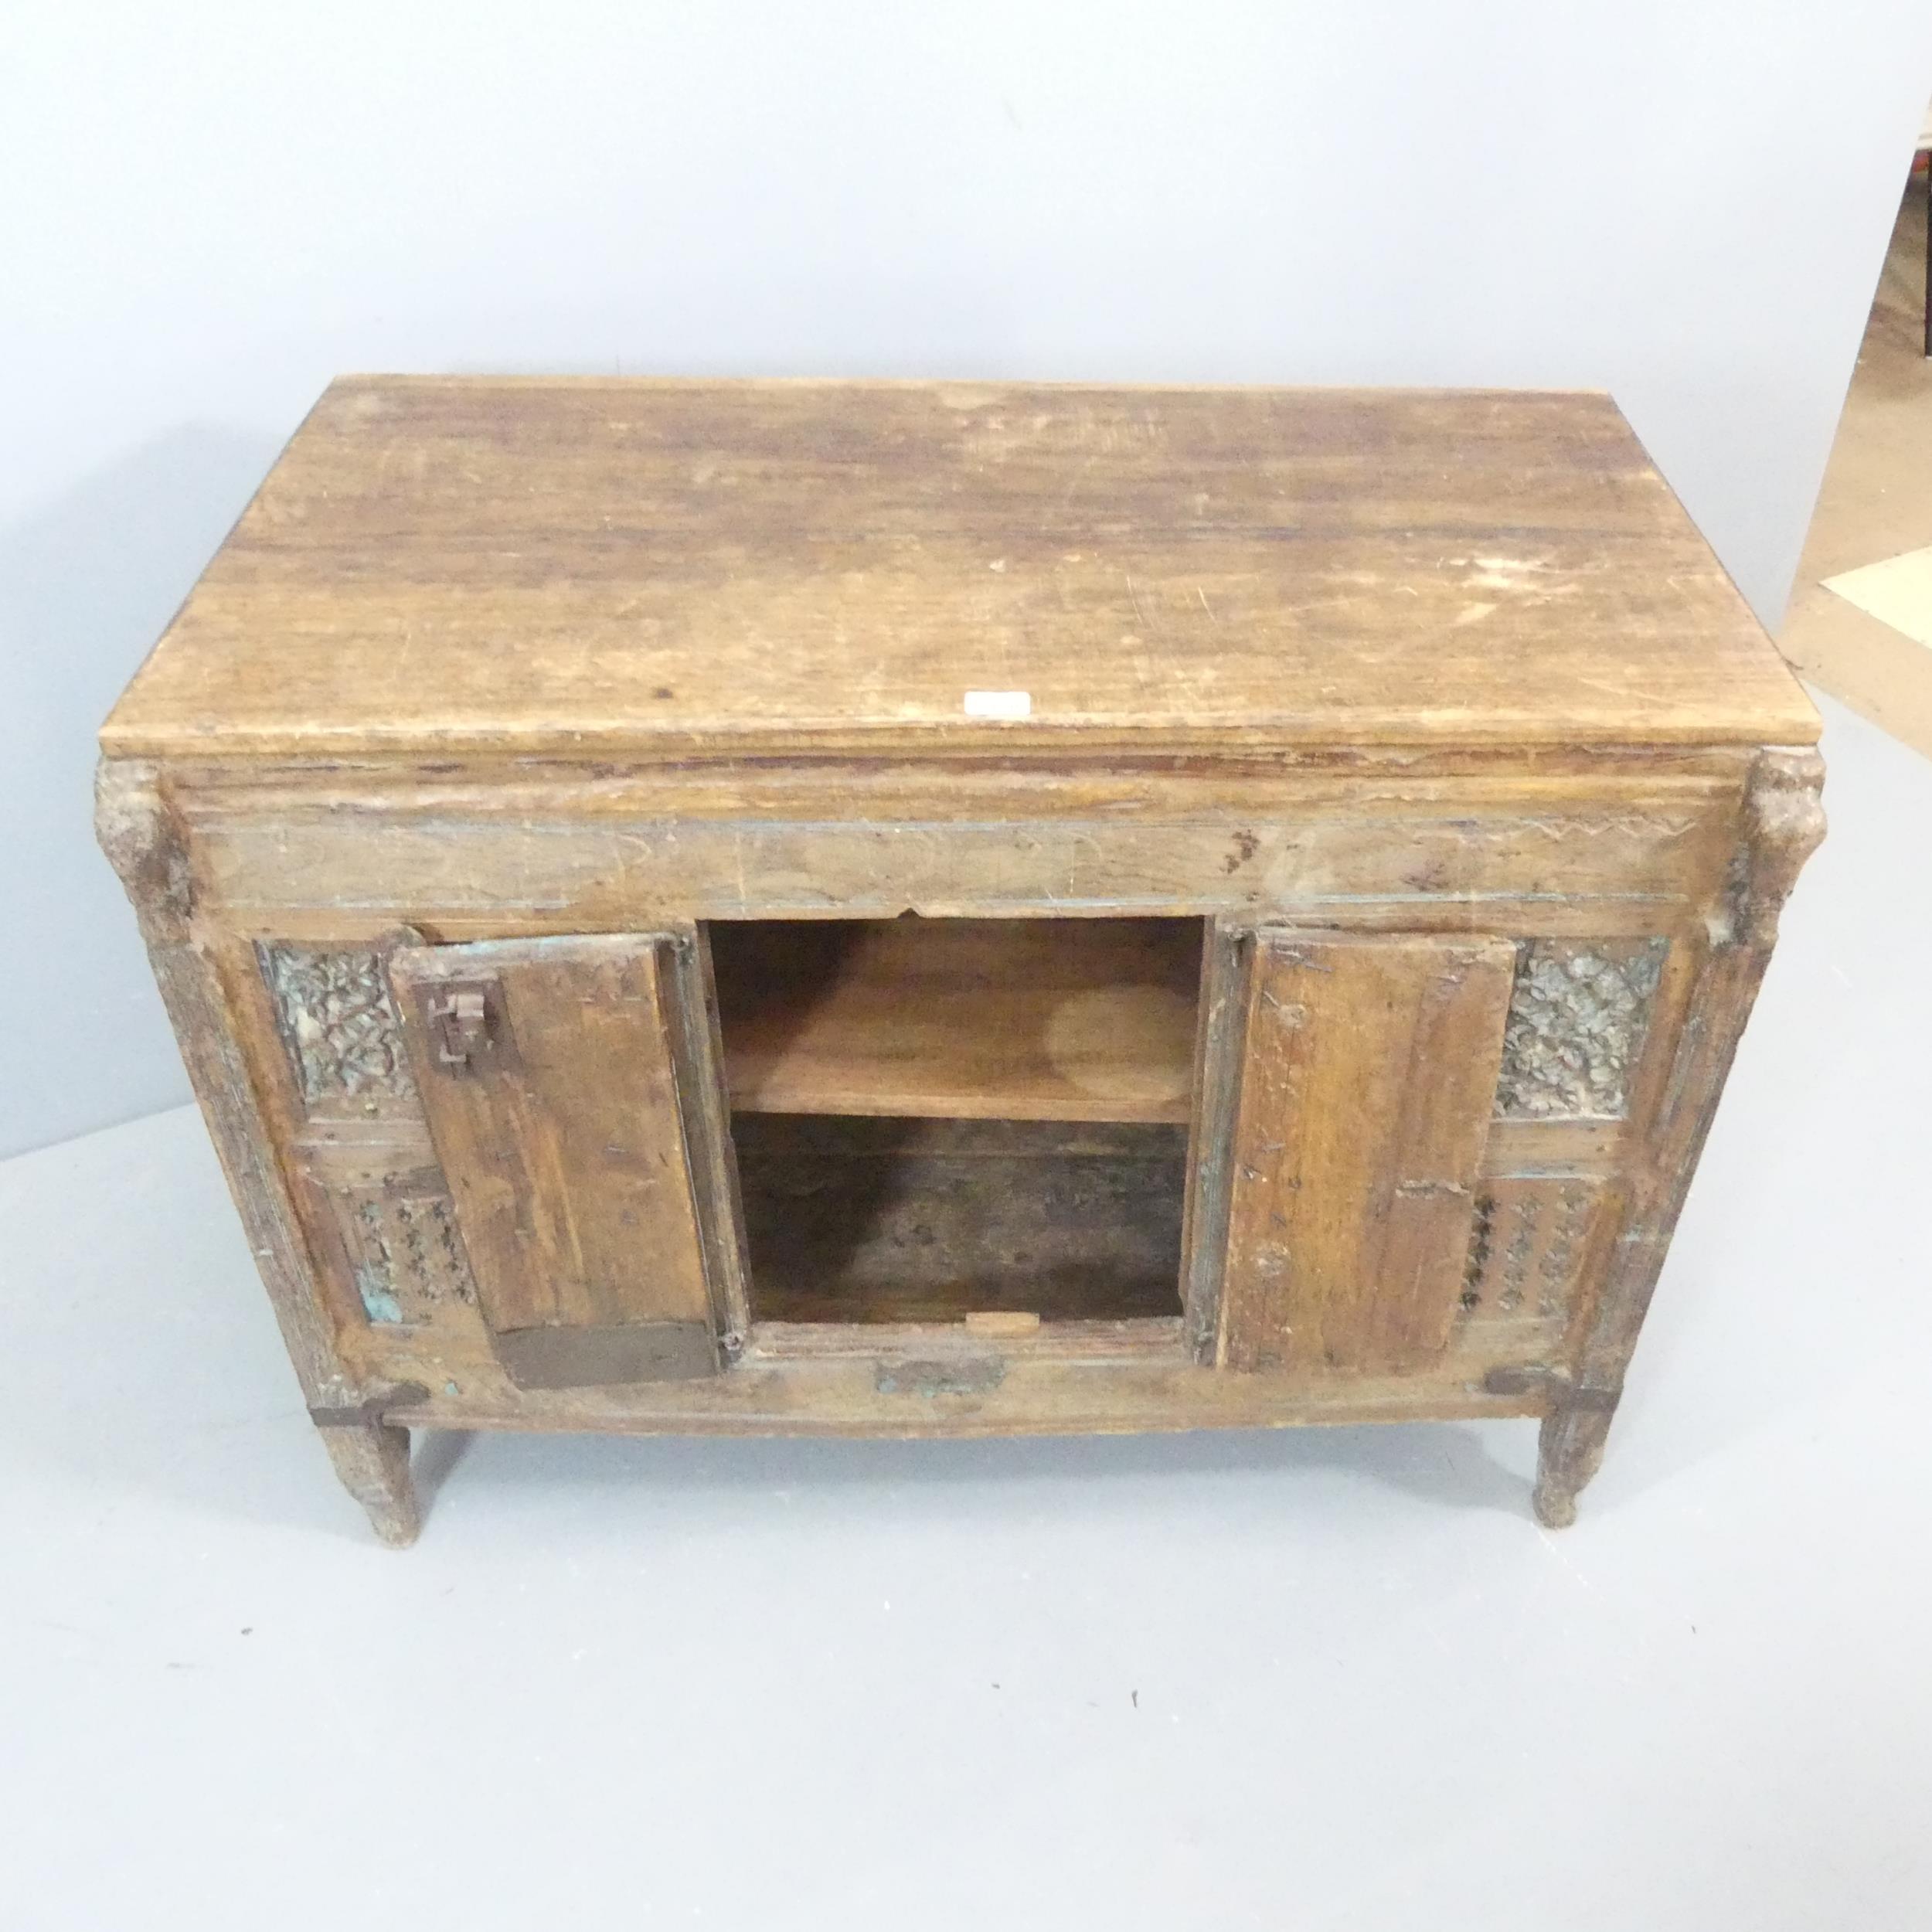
pixel 1569 1452
pixel 372 1459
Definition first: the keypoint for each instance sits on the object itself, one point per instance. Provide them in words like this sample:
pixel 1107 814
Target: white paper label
pixel 999 704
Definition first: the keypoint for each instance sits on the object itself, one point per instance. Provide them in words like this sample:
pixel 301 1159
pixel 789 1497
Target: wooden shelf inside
pixel 1034 1019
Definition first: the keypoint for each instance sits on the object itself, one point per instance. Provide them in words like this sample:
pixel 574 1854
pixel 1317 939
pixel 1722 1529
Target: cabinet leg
pixel 1568 1452
pixel 372 1459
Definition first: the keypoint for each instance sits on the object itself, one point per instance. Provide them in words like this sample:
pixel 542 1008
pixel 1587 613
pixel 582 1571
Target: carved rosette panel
pixel 339 1023
pixel 1528 1246
pixel 404 1255
pixel 1577 1019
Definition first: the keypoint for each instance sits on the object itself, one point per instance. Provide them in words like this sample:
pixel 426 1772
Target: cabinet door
pixel 564 1087
pixel 1368 1070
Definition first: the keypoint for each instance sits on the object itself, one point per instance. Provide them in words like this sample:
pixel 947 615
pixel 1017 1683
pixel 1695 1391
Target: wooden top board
pixel 465 566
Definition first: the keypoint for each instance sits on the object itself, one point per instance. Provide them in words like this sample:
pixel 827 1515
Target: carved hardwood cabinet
pixel 928 909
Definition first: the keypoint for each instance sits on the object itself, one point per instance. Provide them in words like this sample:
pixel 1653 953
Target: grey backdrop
pixel 209 210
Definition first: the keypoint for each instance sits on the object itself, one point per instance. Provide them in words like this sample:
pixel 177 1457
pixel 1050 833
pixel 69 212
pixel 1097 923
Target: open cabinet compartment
pixel 937 1119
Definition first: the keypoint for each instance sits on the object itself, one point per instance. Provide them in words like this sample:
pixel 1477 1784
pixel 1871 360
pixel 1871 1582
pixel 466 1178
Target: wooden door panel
pixel 1368 1076
pixel 550 1076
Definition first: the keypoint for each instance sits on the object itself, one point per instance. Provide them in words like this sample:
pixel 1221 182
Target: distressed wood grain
pixel 142 837
pixel 1391 702
pixel 1366 1087
pixel 564 1143
pixel 1785 822
pixel 474 564
pixel 372 1460
pixel 387 859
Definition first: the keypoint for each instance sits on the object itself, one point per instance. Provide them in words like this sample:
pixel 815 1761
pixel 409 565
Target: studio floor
pixel 1329 1678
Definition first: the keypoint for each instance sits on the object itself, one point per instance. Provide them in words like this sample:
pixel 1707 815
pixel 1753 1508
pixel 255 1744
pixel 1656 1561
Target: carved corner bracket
pixel 138 833
pixel 1784 824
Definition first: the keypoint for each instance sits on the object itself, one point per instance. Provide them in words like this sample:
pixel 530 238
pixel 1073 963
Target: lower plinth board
pixel 953 1389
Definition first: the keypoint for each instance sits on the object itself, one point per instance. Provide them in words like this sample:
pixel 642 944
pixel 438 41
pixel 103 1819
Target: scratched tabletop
pixel 577 567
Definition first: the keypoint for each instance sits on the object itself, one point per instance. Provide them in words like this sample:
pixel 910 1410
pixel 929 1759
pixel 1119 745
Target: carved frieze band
pixel 1577 1019
pixel 339 1022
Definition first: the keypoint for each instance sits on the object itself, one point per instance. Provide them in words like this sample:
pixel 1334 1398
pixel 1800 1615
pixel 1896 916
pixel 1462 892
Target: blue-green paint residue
pixel 378 1303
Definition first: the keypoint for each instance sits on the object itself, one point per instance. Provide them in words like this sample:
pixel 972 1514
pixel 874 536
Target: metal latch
pixel 459 1026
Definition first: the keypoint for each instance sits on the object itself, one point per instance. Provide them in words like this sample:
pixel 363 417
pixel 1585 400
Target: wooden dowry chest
pixel 925 908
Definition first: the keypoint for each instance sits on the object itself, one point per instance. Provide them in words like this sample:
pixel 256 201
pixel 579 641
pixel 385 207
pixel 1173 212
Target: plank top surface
pixel 471 566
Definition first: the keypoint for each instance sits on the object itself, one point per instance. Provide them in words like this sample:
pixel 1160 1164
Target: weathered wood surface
pixel 456 1350
pixel 1115 1389
pixel 1220 1047
pixel 1598 866
pixel 142 838
pixel 1366 1087
pixel 1089 1019
pixel 372 1460
pixel 1784 822
pixel 530 663
pixel 698 1053
pixel 563 1137
pixel 446 565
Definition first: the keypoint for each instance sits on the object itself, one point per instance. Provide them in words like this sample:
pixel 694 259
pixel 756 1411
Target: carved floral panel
pixel 338 1021
pixel 1577 1019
